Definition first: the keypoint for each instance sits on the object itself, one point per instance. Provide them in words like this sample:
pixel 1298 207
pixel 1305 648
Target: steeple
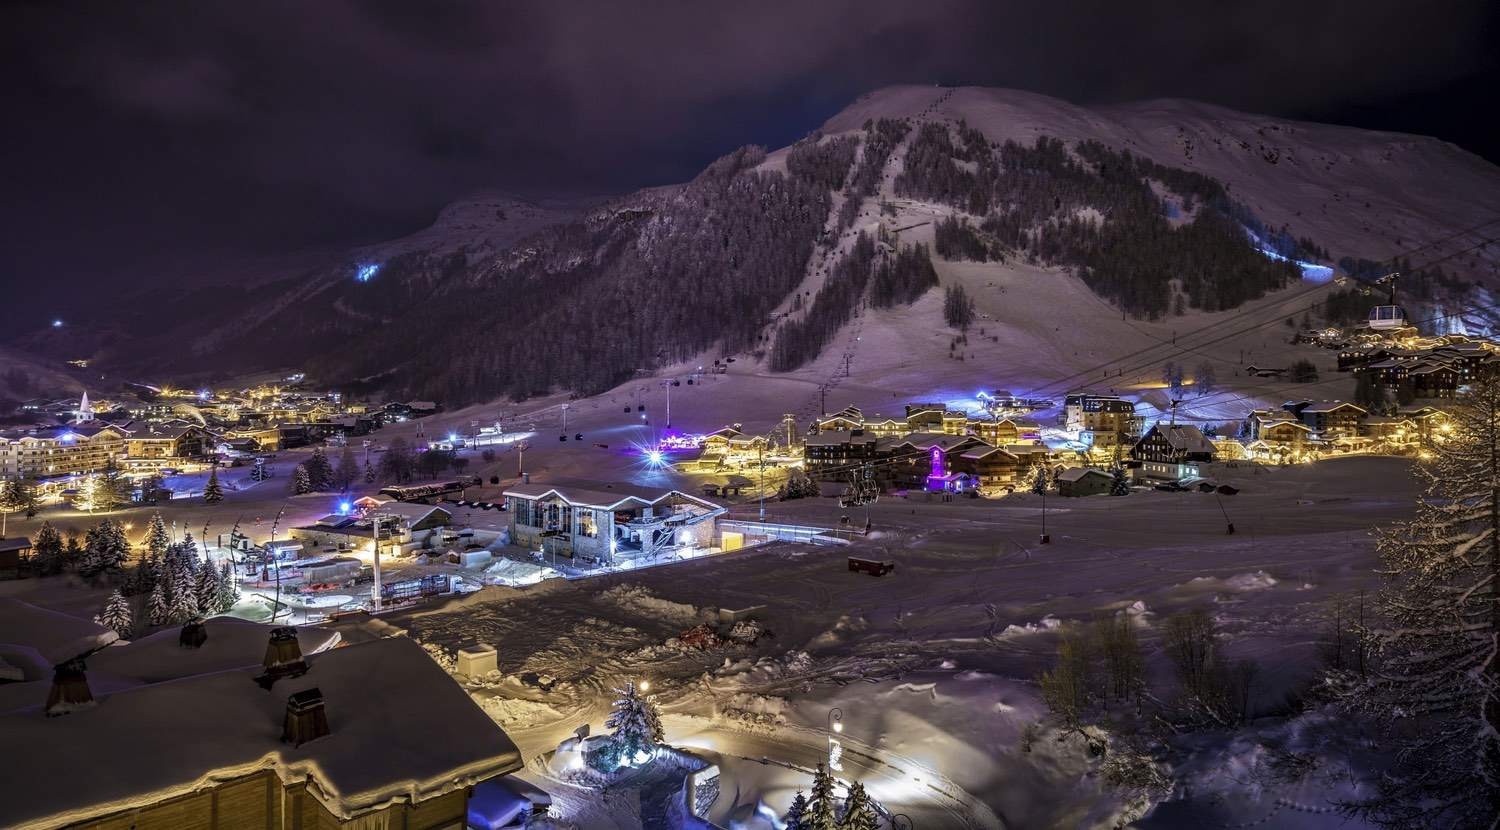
pixel 85 410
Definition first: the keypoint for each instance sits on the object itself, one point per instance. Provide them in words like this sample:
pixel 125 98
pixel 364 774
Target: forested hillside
pixel 1096 211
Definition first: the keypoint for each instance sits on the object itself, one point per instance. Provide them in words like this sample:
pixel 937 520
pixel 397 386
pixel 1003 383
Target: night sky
pixel 145 140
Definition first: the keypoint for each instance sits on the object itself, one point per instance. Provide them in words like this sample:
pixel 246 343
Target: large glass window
pixel 586 526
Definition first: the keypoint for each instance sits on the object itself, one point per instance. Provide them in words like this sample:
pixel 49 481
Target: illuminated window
pixel 586 525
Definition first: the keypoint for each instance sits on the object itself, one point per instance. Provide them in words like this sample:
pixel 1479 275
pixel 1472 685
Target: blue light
pixel 57 324
pixel 655 458
pixel 452 438
pixel 345 507
pixel 67 438
pixel 364 273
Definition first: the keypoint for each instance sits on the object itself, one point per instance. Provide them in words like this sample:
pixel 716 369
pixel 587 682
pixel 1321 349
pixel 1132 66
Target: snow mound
pixel 640 601
pixel 839 633
pixel 1239 583
pixel 516 713
pixel 1047 623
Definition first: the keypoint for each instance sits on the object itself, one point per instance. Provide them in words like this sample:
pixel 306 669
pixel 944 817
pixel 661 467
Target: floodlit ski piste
pixel 968 531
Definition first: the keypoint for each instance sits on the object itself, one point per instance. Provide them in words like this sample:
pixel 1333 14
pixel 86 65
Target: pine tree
pixel 30 504
pixel 822 812
pixel 794 814
pixel 184 598
pixel 212 492
pixel 859 811
pixel 1119 484
pixel 105 549
pixel 369 472
pixel 158 605
pixel 47 550
pixel 348 470
pixel 111 488
pixel 1436 685
pixel 301 481
pixel 206 589
pixel 116 615
pixel 227 591
pixel 319 471
pixel 636 724
pixel 156 540
pixel 73 554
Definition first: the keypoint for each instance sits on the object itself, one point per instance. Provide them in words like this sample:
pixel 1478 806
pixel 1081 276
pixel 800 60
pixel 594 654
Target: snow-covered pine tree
pixel 822 811
pixel 369 472
pixel 1119 484
pixel 207 588
pixel 1041 478
pixel 158 605
pixel 212 492
pixel 301 481
pixel 116 615
pixel 793 819
pixel 47 550
pixel 319 470
pixel 157 539
pixel 184 593
pixel 228 591
pixel 859 811
pixel 1435 686
pixel 636 725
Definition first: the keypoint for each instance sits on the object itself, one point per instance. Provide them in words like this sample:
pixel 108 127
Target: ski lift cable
pixel 1184 349
pixel 1085 373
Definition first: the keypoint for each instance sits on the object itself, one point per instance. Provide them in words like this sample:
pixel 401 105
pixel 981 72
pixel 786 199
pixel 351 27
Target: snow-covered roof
pixel 51 636
pixel 1073 474
pixel 600 496
pixel 1330 406
pixel 400 727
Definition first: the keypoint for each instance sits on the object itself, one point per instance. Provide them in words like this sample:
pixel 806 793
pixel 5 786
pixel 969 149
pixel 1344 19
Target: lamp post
pixel 375 590
pixel 835 726
pixel 1045 538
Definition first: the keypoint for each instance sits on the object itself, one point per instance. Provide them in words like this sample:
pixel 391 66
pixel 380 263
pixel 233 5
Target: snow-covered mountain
pixel 1357 192
pixel 1155 208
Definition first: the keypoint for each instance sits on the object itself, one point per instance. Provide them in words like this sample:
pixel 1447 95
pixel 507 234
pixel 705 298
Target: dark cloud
pixel 141 133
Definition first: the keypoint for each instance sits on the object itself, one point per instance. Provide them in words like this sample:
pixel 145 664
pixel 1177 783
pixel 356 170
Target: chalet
pixel 922 460
pixel 1084 481
pixel 729 445
pixel 1331 419
pixel 246 726
pixel 1433 381
pixel 1389 429
pixel 177 440
pixel 847 419
pixel 925 417
pixel 609 523
pixel 1100 420
pixel 1428 420
pixel 998 469
pixel 1004 431
pixel 1172 452
pixel 1285 431
pixel 831 455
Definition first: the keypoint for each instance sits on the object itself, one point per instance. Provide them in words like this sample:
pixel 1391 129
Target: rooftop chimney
pixel 70 689
pixel 283 657
pixel 305 719
pixel 193 634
